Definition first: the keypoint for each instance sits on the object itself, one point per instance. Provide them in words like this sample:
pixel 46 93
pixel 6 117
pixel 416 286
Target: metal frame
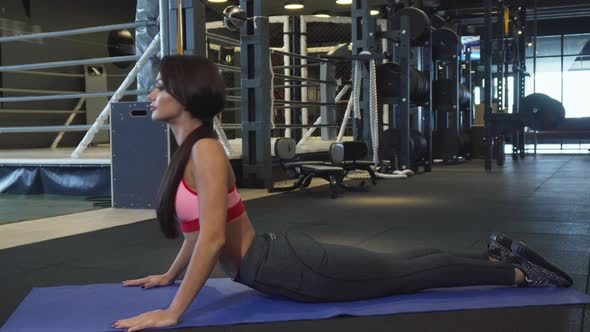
pixel 496 125
pixel 405 54
pixel 456 77
pixel 486 53
pixel 500 54
pixel 428 110
pixel 363 39
pixel 468 113
pixel 256 97
pixel 519 65
pixel 402 110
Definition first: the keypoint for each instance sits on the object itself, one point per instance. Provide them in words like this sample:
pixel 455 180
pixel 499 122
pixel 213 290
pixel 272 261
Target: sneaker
pixel 538 271
pixel 500 247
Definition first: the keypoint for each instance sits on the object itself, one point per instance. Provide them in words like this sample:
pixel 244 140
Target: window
pixel 548 46
pixel 576 76
pixel 576 44
pixel 530 80
pixel 548 77
pixel 560 72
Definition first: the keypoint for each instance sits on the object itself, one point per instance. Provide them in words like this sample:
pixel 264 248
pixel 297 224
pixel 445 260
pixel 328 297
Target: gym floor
pixel 542 201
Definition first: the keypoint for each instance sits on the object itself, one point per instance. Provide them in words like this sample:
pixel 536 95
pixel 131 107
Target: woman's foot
pixel 499 248
pixel 537 270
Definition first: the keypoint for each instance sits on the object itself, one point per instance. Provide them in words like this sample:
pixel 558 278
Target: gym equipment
pixel 305 171
pixel 541 112
pixel 445 43
pixel 353 155
pixel 391 140
pixel 419 23
pixel 121 43
pixel 442 94
pixel 234 17
pixel 388 82
pixel 446 143
pixel 224 302
pixel 135 135
pixel 465 143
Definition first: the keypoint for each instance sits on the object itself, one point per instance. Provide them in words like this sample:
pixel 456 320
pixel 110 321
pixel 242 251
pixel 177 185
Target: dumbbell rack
pixel 446 57
pixel 403 55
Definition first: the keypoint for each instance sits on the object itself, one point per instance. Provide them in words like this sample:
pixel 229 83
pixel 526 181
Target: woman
pixel 198 193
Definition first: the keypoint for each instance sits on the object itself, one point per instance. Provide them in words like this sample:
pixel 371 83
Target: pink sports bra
pixel 187 207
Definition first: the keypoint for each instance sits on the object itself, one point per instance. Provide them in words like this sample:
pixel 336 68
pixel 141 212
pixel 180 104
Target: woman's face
pixel 164 106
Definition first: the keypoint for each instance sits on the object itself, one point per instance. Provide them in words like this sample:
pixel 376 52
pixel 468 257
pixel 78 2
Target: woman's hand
pixel 156 318
pixel 150 281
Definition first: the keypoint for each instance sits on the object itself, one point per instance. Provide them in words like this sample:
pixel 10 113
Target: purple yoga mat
pixel 224 302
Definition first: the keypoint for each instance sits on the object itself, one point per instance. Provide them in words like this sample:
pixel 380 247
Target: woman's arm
pixel 184 256
pixel 211 171
pixel 182 259
pixel 211 174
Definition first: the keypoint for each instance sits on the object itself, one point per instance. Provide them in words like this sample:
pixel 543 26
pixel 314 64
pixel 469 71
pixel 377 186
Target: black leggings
pixel 296 266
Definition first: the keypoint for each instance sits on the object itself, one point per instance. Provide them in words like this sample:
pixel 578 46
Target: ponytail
pixel 166 211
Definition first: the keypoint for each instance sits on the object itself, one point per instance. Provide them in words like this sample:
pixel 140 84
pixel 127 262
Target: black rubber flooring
pixel 542 201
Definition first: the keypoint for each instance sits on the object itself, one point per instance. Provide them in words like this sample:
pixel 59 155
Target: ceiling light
pixel 374 12
pixel 344 2
pixel 293 5
pixel 322 13
pixel 217 1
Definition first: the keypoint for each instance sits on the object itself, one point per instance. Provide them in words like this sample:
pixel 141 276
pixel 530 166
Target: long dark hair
pixel 197 84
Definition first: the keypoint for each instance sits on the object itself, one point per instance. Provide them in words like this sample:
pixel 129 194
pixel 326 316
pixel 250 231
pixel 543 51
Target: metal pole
pixel 304 71
pixel 405 54
pixel 223 39
pixel 486 52
pixel 49 129
pixel 429 114
pixel 70 63
pixel 46 73
pixel 71 96
pixel 78 31
pixel 196 42
pixel 468 118
pixel 522 79
pixel 295 61
pixel 287 71
pixel 164 28
pixel 500 57
pixel 256 97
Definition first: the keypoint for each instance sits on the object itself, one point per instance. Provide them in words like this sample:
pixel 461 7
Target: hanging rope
pixel 222 137
pixel 373 118
pixel 272 92
pixel 374 108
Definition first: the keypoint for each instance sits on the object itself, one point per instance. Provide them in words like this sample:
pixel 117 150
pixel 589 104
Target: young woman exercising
pixel 198 195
